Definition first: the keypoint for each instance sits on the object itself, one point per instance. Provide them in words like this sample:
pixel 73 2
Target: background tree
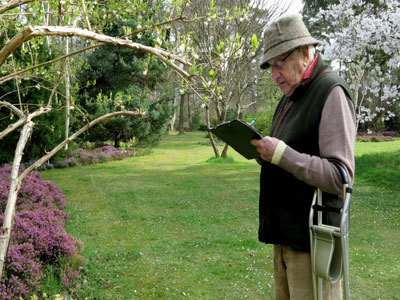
pixel 118 73
pixel 84 22
pixel 362 40
pixel 226 51
pixel 30 90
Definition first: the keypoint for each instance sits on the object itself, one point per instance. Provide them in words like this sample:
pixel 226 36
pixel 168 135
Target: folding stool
pixel 330 244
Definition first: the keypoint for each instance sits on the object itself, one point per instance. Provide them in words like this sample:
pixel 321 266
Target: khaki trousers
pixel 293 277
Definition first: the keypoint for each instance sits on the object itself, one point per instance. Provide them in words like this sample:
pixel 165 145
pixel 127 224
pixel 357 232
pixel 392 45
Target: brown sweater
pixel 336 141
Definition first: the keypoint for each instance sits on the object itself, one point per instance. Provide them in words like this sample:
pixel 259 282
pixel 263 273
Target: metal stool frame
pixel 342 232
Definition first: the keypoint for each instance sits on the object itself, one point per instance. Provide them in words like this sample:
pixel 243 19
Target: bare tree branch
pixel 11 76
pixel 23 119
pixel 12 107
pixel 53 91
pixel 86 15
pixel 248 105
pixel 13 4
pixel 32 31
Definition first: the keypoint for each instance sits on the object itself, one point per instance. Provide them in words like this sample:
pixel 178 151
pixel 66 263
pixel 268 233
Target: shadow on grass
pixel 379 169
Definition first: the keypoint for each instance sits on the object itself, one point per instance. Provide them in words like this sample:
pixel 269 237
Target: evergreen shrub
pixel 263 121
pixel 196 121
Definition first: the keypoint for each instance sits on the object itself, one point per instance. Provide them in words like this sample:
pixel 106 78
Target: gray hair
pixel 311 50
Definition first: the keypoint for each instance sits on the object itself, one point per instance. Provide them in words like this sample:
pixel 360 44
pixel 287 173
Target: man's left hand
pixel 266 147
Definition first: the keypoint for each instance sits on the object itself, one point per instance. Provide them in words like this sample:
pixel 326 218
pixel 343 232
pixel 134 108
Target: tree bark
pixel 171 123
pixel 13 4
pixel 181 114
pixel 15 184
pixel 210 135
pixel 23 119
pixel 188 107
pixel 67 92
pixel 225 151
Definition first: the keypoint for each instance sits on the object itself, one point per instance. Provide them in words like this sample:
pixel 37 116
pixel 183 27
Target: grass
pixel 176 225
pixel 375 222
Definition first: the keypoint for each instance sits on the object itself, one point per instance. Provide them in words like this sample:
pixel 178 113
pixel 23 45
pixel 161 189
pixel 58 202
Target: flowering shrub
pixel 379 133
pixel 38 237
pixel 84 157
pixel 34 192
pixel 44 229
pixel 374 138
pixel 114 153
pixel 67 163
pixel 379 136
pixel 22 272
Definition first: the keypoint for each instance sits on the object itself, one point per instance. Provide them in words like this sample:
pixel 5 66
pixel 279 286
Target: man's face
pixel 287 71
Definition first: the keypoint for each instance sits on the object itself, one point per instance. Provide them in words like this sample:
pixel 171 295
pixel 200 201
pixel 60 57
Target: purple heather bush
pixel 44 229
pixel 34 192
pixel 84 157
pixel 379 133
pixel 23 272
pixel 69 276
pixel 68 162
pixel 115 153
pixel 38 238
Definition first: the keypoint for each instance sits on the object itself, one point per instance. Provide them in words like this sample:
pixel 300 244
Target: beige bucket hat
pixel 284 35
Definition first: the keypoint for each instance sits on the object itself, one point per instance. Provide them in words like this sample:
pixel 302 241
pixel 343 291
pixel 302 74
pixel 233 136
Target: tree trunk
pixel 210 135
pixel 181 114
pixel 117 139
pixel 189 112
pixel 67 92
pixel 225 151
pixel 171 123
pixel 15 183
pixel 226 147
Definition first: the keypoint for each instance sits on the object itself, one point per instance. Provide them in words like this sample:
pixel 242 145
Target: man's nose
pixel 275 74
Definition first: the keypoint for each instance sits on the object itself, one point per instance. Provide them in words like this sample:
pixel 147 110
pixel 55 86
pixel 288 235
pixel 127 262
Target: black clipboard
pixel 238 134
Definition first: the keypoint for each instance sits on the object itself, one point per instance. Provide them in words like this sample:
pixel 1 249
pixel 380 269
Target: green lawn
pixel 170 225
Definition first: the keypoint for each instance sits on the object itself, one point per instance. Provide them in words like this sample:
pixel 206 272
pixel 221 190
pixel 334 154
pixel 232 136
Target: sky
pixel 294 6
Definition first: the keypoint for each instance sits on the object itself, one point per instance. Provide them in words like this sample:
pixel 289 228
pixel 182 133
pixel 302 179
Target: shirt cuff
pixel 276 158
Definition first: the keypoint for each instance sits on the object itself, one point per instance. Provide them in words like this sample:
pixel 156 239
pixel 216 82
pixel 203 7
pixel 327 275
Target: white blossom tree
pixel 362 41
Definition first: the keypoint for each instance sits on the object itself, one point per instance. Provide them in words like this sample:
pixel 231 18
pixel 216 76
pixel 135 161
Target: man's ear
pixel 306 55
pixel 304 49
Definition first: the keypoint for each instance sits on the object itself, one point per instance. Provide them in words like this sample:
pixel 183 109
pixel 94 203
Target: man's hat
pixel 284 35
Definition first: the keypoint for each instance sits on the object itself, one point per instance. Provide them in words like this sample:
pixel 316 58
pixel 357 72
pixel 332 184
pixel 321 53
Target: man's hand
pixel 266 147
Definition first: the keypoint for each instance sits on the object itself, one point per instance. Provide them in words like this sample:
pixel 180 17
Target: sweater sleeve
pixel 336 142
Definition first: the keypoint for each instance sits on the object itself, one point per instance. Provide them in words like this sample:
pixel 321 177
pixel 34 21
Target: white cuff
pixel 276 158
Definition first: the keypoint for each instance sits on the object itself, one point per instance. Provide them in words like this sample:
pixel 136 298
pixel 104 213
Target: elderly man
pixel 313 126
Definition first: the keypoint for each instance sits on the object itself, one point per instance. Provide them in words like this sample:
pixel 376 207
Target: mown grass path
pixel 172 226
